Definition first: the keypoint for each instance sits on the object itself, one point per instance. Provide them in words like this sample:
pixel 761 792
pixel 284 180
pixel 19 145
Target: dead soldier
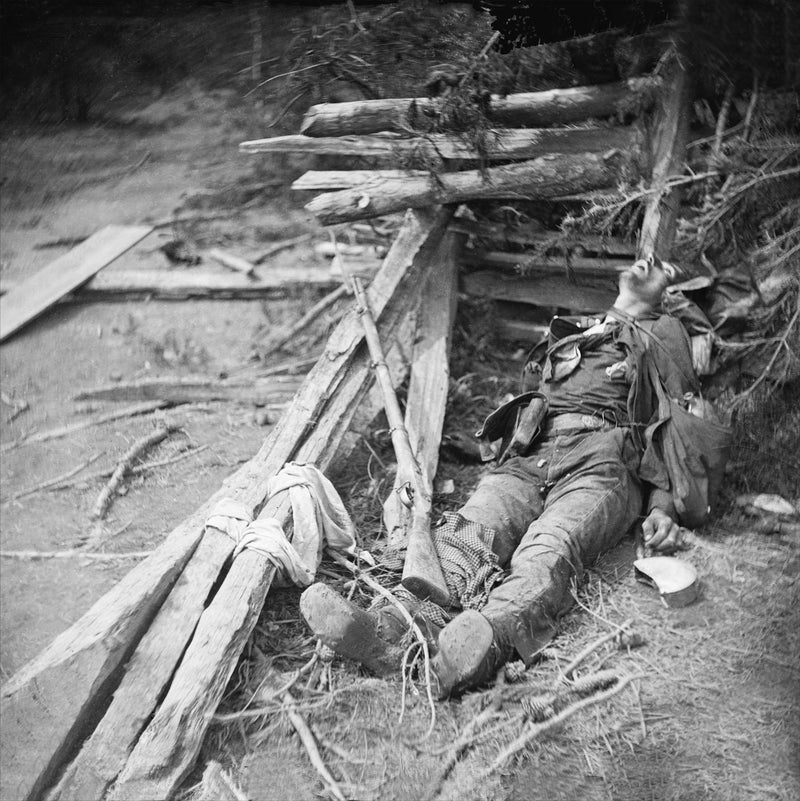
pixel 615 433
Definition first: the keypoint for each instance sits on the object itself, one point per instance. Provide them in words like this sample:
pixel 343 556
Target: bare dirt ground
pixel 714 713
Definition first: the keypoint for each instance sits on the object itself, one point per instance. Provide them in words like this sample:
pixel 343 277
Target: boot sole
pixel 464 657
pixel 347 629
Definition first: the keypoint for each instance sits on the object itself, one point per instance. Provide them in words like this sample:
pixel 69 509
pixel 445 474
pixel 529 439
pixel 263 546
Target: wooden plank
pixel 315 180
pixel 167 748
pixel 546 177
pixel 550 107
pixel 392 150
pixel 549 292
pixel 582 265
pixel 52 701
pixel 37 293
pixel 46 731
pixel 428 387
pixel 276 389
pixel 668 135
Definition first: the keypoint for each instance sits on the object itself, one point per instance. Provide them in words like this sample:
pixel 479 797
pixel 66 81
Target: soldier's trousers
pixel 553 511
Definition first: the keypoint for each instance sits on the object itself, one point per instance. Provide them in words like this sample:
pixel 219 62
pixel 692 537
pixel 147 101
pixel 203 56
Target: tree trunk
pixel 545 177
pixel 390 150
pixel 532 109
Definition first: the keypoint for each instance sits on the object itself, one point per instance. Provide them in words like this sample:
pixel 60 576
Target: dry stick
pixel 55 433
pixel 534 730
pixel 138 447
pixel 134 471
pixel 592 647
pixel 279 246
pixel 722 121
pixel 309 317
pixel 53 481
pixel 73 552
pixel 381 590
pixel 307 738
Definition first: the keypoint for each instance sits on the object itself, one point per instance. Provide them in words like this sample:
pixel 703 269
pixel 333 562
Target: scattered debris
pixel 179 251
pixel 235 263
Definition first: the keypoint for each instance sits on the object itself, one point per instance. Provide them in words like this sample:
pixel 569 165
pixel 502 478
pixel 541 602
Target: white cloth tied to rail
pixel 319 518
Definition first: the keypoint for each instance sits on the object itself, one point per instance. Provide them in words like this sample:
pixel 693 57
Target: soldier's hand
pixel 661 532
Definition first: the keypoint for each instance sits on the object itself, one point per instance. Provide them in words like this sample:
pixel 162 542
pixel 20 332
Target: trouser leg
pixel 593 500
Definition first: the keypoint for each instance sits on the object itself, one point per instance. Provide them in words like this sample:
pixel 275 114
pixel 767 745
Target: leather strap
pixel 574 421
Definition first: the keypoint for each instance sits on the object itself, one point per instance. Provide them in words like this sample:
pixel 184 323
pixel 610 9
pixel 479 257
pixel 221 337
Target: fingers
pixel 661 532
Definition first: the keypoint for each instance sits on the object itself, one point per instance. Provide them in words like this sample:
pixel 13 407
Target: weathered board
pixel 39 292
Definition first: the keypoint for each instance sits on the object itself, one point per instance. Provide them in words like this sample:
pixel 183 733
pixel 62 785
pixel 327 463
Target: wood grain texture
pixel 543 178
pixel 39 292
pixel 551 107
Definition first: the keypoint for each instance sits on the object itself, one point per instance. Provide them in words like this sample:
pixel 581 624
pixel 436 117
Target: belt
pixel 573 421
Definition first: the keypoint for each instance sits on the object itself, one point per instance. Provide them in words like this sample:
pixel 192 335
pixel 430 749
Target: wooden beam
pixel 542 178
pixel 45 731
pixel 584 265
pixel 668 135
pixel 537 237
pixel 532 109
pixel 582 297
pixel 429 384
pixel 393 150
pixel 169 745
pixel 39 292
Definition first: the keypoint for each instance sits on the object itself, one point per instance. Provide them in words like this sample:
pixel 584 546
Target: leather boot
pixel 469 654
pixel 351 631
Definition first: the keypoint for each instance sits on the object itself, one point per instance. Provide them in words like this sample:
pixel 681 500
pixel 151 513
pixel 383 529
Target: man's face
pixel 647 279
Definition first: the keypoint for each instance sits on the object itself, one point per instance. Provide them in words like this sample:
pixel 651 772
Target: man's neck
pixel 632 308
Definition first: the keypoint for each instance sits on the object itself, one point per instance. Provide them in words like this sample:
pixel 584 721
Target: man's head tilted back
pixel 643 283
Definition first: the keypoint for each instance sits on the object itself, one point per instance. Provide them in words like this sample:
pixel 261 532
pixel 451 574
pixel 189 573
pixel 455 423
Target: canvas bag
pixel 685 454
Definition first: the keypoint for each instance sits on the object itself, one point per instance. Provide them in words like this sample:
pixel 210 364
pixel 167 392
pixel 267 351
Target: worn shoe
pixel 468 654
pixel 351 631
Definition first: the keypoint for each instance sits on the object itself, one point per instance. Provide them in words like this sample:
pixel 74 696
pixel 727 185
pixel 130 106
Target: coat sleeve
pixel 671 350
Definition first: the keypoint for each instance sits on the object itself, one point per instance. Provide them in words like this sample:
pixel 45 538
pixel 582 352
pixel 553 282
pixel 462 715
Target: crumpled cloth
pixel 469 565
pixel 319 518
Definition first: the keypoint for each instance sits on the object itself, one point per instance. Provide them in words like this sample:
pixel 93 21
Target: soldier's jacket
pixel 637 374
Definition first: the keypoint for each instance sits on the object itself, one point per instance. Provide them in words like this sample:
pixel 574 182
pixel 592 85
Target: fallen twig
pixel 307 738
pixel 535 730
pixel 136 470
pixel 53 481
pixel 71 554
pixel 309 317
pixel 279 246
pixel 55 433
pixel 124 465
pixel 592 647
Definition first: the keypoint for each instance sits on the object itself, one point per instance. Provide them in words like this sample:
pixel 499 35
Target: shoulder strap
pixel 625 319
